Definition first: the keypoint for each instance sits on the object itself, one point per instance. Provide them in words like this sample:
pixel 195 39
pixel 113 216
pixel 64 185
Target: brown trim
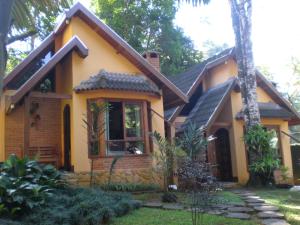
pixel 221 105
pixel 74 44
pixel 35 53
pixel 144 125
pixel 125 49
pixel 26 125
pixel 200 78
pixel 36 94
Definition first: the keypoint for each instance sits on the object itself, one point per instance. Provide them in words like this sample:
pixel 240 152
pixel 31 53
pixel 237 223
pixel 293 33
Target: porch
pixel 39 127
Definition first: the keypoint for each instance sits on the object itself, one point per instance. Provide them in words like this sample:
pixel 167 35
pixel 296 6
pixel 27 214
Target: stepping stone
pixel 266 208
pixel 240 209
pixel 239 204
pixel 255 201
pixel 215 212
pixel 256 204
pixel 241 216
pixel 173 206
pixel 221 206
pixel 270 215
pixel 247 194
pixel 251 197
pixel 153 204
pixel 274 222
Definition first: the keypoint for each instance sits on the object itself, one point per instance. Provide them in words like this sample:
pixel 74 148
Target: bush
pixel 25 184
pixel 130 187
pixel 262 156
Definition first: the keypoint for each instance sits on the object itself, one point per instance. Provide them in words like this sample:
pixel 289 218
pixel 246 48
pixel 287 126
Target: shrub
pixel 262 156
pixel 81 206
pixel 25 184
pixel 130 187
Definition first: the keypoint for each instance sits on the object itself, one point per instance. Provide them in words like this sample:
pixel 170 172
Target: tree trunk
pixel 5 22
pixel 241 13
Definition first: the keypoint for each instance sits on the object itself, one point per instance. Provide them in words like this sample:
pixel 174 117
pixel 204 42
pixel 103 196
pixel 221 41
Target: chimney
pixel 153 58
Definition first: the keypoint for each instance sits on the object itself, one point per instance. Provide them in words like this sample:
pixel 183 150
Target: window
pixel 275 141
pixel 125 128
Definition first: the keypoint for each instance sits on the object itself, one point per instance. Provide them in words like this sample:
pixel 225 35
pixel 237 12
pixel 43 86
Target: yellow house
pixel 46 106
pixel 215 104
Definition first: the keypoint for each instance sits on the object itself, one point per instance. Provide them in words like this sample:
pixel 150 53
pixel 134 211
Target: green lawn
pixel 146 216
pixel 183 198
pixel 287 201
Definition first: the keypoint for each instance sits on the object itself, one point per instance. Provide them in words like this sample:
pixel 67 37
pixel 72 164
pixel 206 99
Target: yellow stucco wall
pixel 101 56
pixel 220 74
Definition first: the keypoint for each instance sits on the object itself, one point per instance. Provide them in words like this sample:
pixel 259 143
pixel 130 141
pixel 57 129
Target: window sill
pixel 125 156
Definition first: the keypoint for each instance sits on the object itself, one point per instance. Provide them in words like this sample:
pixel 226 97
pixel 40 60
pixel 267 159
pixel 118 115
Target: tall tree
pixel 241 15
pixel 148 25
pixel 18 21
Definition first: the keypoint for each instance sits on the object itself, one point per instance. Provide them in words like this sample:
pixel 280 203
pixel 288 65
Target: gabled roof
pixel 188 81
pixel 172 95
pixel 118 81
pixel 209 105
pixel 270 110
pixel 73 44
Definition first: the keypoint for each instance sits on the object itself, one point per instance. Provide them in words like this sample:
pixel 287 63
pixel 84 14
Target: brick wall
pixel 45 131
pixel 14 132
pixel 125 163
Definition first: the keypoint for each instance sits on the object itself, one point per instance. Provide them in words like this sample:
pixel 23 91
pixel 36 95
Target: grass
pixel 147 216
pixel 183 198
pixel 287 201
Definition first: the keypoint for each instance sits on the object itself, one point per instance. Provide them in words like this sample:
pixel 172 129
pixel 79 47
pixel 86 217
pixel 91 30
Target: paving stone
pixel 247 194
pixel 240 209
pixel 153 204
pixel 251 197
pixel 173 206
pixel 239 204
pixel 270 215
pixel 221 206
pixel 242 216
pixel 216 212
pixel 266 208
pixel 255 201
pixel 256 204
pixel 274 222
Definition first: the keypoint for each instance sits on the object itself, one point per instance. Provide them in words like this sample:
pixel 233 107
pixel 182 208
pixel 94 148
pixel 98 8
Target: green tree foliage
pixel 148 25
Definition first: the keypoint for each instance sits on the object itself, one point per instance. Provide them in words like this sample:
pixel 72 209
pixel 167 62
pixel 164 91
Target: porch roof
pixel 118 81
pixel 209 105
pixel 270 110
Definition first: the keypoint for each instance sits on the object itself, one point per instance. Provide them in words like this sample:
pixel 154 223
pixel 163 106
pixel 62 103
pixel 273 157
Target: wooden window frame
pixel 145 127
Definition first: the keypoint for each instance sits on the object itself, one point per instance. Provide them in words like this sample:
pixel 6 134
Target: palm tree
pixel 241 15
pixel 17 22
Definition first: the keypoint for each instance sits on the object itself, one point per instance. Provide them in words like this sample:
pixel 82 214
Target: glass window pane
pixel 135 147
pixel 133 120
pixel 114 129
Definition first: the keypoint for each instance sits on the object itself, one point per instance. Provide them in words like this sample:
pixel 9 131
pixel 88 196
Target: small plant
pixel 95 126
pixel 25 184
pixel 263 158
pixel 130 187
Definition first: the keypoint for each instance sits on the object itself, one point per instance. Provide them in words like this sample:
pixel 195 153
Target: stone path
pixel 253 208
pixel 267 214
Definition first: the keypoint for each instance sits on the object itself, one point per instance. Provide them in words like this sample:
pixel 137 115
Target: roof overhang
pixel 73 44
